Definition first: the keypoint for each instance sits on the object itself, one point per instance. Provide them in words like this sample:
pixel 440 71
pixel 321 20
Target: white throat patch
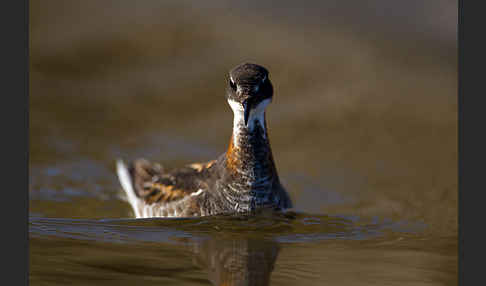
pixel 257 114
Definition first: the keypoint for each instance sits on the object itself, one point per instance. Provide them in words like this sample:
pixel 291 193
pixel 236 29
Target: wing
pixel 153 185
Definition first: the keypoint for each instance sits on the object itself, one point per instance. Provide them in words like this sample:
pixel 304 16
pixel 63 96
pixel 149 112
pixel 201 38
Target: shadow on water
pixel 233 250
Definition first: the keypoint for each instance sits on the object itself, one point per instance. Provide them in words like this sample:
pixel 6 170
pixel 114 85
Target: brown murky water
pixel 363 129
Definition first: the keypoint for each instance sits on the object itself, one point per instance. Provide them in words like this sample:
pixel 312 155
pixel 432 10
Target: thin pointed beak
pixel 246 107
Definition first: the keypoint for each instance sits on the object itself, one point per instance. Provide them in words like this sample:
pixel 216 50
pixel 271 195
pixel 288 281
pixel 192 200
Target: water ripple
pixel 287 227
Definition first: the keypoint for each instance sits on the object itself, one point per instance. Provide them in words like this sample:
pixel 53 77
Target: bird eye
pixel 232 84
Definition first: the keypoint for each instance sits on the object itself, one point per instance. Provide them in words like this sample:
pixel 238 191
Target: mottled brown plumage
pixel 154 186
pixel 241 180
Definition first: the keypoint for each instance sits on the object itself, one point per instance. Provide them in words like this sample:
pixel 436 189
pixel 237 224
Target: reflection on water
pixel 229 257
pixel 237 261
pixel 363 128
pixel 225 250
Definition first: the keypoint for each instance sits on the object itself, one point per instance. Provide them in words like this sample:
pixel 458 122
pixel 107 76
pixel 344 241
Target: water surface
pixel 362 126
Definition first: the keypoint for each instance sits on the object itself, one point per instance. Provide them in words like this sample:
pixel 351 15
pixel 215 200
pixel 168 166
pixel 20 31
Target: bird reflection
pixel 236 261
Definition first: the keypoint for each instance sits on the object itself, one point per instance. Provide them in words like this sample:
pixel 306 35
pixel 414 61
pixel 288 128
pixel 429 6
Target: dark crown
pixel 249 82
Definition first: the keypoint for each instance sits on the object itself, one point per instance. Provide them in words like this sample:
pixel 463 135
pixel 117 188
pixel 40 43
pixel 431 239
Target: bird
pixel 242 180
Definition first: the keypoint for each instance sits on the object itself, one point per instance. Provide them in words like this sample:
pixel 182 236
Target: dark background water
pixel 363 128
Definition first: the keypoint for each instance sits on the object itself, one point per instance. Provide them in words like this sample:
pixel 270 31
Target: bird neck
pixel 249 156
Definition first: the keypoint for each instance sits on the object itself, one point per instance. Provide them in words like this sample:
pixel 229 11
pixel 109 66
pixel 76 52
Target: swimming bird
pixel 242 180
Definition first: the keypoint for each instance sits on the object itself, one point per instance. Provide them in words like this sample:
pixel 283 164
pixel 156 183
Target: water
pixel 284 249
pixel 362 126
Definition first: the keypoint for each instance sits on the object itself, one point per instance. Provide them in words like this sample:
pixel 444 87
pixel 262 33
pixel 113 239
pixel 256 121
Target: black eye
pixel 232 84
